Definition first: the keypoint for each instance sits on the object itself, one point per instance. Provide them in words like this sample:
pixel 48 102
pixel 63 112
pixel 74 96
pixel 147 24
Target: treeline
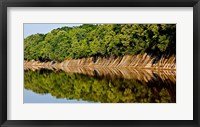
pixel 99 89
pixel 101 40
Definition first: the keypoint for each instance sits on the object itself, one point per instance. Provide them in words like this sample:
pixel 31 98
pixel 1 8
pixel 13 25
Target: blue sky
pixel 34 28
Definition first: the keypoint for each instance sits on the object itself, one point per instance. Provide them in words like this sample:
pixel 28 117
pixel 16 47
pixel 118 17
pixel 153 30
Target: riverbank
pixel 136 61
pixel 138 67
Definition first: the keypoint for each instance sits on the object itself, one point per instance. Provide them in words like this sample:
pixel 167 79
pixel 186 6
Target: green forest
pixel 101 40
pixel 99 89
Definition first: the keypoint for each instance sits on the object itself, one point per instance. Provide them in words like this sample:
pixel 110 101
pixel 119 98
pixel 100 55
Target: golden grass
pixel 138 67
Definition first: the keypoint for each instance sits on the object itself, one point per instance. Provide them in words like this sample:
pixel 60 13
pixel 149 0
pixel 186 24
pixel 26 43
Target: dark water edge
pixel 100 88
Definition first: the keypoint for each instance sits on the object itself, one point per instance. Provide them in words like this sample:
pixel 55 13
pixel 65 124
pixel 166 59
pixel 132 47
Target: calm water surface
pixel 99 86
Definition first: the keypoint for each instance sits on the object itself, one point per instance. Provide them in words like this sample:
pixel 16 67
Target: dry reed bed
pixel 136 61
pixel 137 67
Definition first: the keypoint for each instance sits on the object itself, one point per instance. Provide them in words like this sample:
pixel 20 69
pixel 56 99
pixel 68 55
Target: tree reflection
pixel 102 89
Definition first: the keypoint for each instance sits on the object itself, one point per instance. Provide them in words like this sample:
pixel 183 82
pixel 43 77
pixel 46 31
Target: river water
pixel 99 85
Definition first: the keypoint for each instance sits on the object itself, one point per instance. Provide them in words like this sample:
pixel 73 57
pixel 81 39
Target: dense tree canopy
pixel 101 40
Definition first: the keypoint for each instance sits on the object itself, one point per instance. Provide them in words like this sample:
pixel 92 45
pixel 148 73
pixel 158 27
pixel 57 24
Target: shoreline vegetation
pixel 122 50
pixel 106 44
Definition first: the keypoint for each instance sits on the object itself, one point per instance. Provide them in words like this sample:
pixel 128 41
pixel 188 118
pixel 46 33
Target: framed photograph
pixel 99 63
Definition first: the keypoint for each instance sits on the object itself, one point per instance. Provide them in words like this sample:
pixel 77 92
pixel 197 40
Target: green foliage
pixel 99 89
pixel 102 40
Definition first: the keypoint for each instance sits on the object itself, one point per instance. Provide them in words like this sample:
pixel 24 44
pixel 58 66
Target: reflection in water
pixel 105 85
pixel 120 72
pixel 32 97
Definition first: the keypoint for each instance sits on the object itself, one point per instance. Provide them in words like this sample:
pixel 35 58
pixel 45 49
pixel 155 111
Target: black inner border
pixel 98 3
